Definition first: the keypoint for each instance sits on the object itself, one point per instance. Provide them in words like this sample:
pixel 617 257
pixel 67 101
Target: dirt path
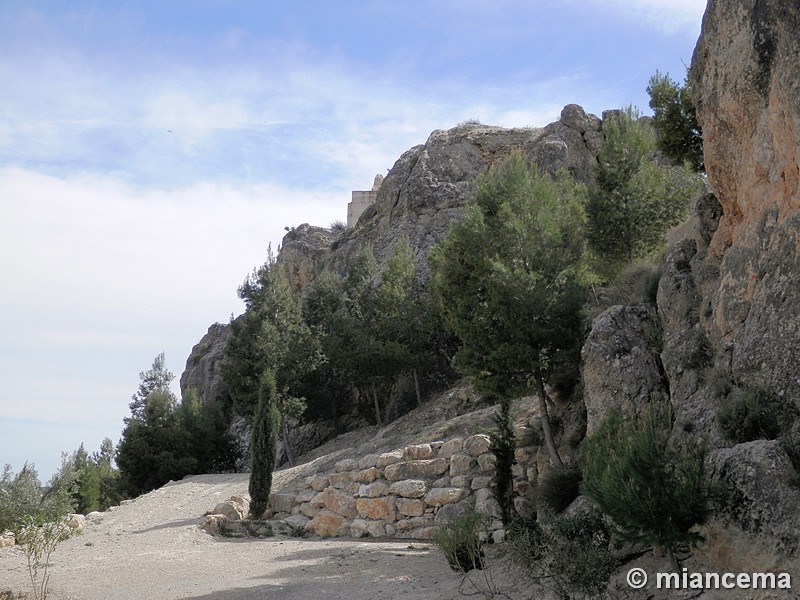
pixel 152 548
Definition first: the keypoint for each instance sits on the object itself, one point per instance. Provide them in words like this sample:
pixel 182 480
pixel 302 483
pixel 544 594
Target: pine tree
pixel 634 201
pixel 156 379
pixel 680 136
pixel 270 336
pixel 510 284
pixel 655 492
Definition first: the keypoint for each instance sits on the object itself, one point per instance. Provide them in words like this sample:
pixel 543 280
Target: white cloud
pixel 670 16
pixel 99 277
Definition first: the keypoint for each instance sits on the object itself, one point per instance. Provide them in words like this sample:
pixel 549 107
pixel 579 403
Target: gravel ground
pixel 152 548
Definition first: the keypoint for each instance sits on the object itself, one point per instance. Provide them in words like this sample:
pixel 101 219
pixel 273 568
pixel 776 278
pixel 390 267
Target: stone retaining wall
pixel 405 493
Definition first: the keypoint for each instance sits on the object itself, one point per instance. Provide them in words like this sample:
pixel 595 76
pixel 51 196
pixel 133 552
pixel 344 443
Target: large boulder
pixel 621 366
pixel 759 530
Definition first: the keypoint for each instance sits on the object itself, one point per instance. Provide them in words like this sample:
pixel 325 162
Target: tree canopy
pixel 679 134
pixel 634 201
pixel 165 439
pixel 510 281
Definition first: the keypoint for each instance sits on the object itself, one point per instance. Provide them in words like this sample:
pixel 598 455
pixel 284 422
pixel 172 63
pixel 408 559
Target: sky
pixel 150 151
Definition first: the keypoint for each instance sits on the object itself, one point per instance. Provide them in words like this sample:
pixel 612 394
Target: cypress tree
pixel 263 447
pixel 503 445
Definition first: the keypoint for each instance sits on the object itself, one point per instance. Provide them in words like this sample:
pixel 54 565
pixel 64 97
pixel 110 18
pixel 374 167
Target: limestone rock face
pixel 426 189
pixel 757 477
pixel 302 249
pixel 416 469
pixel 621 363
pixel 746 87
pixel 203 367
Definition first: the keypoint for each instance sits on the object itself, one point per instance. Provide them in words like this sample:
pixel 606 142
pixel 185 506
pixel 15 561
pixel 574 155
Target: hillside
pixel 719 341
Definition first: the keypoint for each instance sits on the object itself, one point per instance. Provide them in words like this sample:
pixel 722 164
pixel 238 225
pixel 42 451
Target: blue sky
pixel 150 151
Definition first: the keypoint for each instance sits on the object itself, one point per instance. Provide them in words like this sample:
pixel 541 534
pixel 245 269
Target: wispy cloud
pixel 90 262
pixel 669 16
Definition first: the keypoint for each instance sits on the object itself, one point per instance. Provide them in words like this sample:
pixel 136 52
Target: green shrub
pixel 719 382
pixel 39 539
pixel 559 487
pixel 460 541
pixel 637 284
pixel 749 415
pixel 654 492
pixel 21 496
pixel 701 352
pixel 571 555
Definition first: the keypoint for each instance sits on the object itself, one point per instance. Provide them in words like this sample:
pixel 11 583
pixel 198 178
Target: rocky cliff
pixel 428 186
pixel 423 193
pixel 747 90
pixel 728 306
pixel 746 81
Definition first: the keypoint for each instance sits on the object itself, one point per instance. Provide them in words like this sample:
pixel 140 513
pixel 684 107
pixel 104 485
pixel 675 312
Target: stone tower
pixel 361 200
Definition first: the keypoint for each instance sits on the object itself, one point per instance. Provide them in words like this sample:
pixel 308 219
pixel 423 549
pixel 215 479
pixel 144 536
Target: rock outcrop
pixel 743 273
pixel 621 366
pixel 746 87
pixel 729 299
pixel 203 367
pixel 422 195
pixel 303 249
pixel 426 189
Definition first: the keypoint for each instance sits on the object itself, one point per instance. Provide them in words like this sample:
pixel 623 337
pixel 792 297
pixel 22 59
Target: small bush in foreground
pixel 570 555
pixel 655 493
pixel 460 541
pixel 39 539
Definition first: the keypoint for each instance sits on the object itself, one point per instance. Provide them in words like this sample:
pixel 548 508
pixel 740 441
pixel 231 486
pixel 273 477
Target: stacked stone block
pixel 405 493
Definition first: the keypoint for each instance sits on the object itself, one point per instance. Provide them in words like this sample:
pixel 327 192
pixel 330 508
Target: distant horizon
pixel 150 153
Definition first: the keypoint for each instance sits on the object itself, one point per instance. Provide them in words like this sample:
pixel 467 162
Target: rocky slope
pixel 728 308
pixel 423 193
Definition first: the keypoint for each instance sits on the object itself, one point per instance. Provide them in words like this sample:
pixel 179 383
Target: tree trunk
pixel 416 387
pixel 377 406
pixel 287 448
pixel 673 561
pixel 545 419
